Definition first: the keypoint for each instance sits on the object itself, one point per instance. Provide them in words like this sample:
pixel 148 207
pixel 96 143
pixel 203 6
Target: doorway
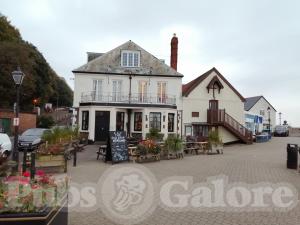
pixel 214 104
pixel 102 125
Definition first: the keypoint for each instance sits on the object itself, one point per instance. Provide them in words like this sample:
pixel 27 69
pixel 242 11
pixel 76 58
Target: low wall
pixel 294 131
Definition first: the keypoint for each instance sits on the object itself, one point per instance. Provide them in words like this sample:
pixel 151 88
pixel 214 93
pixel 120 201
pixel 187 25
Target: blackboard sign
pixel 117 150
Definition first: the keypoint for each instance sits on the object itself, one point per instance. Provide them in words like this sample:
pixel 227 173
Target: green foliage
pixel 58 135
pixel 173 143
pixel 214 138
pixel 40 80
pixel 45 121
pixel 154 135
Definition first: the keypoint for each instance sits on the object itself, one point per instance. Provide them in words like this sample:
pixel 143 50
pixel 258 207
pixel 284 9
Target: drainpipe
pixel 129 110
pixel 130 78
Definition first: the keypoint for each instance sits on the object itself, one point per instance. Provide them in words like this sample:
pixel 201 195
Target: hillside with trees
pixel 40 82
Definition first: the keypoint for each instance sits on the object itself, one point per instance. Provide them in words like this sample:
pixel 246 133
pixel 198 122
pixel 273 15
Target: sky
pixel 253 43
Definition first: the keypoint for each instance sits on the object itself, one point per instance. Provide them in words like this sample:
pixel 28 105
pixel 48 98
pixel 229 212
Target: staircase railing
pixel 220 117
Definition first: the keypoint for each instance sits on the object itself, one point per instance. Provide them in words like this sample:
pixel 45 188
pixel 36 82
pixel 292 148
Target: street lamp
pixel 269 112
pixel 18 77
pixel 280 118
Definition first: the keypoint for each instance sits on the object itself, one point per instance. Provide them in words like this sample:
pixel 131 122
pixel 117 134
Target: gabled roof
pixel 251 101
pixel 110 63
pixel 189 87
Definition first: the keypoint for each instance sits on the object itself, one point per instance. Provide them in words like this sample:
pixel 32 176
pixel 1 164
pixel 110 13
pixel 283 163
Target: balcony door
pixel 161 92
pixel 143 89
pixel 214 104
pixel 117 89
pixel 97 90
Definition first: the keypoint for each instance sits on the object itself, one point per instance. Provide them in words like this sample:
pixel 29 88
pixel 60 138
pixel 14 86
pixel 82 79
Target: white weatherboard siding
pixel 262 104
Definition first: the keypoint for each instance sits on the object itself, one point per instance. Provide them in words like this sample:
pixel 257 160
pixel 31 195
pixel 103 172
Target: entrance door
pixel 101 125
pixel 213 104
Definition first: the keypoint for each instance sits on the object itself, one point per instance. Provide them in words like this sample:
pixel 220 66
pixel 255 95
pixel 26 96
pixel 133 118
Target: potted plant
pixel 173 146
pixel 155 135
pixel 215 142
pixel 40 201
pixel 148 150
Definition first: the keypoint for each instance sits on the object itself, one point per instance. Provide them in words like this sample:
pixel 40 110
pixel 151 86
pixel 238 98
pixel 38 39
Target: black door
pixel 101 125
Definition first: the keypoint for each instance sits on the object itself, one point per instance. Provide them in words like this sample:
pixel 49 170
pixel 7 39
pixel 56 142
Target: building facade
pixel 211 102
pixel 260 114
pixel 128 89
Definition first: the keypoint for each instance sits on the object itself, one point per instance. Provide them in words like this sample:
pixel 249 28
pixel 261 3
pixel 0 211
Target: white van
pixel 5 145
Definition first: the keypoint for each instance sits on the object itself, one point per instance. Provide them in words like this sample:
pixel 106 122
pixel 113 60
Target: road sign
pixel 16 121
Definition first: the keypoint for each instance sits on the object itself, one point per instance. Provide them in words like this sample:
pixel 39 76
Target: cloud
pixel 253 43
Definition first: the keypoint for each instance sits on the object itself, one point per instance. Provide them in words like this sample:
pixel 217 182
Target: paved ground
pixel 265 162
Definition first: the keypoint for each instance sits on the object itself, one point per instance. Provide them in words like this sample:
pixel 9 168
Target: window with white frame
pixel 130 58
pixel 143 91
pixel 117 89
pixel 155 120
pixel 161 92
pixel 97 90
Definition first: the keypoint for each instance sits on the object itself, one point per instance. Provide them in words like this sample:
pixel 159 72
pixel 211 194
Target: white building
pixel 211 102
pixel 259 113
pixel 128 89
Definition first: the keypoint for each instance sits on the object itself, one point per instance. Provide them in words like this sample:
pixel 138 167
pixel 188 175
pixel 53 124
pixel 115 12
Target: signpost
pixel 117 150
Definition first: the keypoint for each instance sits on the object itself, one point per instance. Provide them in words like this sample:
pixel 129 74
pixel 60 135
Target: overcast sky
pixel 254 44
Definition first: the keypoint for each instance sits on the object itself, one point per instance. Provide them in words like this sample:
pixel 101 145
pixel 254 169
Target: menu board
pixel 117 150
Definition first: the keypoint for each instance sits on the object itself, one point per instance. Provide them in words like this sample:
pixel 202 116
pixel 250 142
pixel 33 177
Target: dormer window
pixel 130 58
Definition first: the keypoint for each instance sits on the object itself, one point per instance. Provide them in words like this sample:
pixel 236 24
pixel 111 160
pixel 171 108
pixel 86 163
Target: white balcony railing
pixel 125 98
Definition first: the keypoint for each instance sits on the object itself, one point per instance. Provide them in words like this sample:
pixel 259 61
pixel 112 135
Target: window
pixel 200 130
pixel 195 114
pixel 143 91
pixel 161 92
pixel 117 88
pixel 120 121
pixel 85 120
pixel 155 120
pixel 262 112
pixel 130 59
pixel 138 121
pixel 97 90
pixel 171 117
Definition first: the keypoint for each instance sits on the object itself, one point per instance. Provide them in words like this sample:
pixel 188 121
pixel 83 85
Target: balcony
pixel 122 98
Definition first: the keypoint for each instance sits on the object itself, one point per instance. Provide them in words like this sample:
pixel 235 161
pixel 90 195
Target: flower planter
pixel 148 158
pixel 51 216
pixel 51 163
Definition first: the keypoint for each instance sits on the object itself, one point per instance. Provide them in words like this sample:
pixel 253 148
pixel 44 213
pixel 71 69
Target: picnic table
pixel 192 147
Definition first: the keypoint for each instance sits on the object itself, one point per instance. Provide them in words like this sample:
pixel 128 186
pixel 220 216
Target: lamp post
pixel 18 77
pixel 269 112
pixel 280 118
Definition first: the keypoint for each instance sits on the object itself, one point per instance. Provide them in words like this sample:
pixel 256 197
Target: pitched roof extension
pixel 251 101
pixel 110 63
pixel 189 87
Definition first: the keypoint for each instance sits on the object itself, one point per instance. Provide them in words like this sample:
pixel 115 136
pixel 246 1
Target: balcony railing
pixel 92 96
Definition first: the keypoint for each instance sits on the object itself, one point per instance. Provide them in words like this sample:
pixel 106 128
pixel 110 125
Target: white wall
pixel 84 83
pixel 198 101
pixel 262 104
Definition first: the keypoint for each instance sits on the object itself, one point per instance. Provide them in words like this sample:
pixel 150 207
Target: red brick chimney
pixel 174 52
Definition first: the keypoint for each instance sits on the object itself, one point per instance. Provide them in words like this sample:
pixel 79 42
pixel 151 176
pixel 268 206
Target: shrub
pixel 45 121
pixel 154 135
pixel 173 143
pixel 214 138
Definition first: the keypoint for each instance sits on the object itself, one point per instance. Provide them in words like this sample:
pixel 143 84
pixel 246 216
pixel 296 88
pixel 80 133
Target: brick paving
pixel 263 162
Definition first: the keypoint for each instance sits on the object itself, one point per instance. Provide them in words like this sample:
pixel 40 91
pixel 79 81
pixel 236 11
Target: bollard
pixel 75 156
pixel 24 160
pixel 32 166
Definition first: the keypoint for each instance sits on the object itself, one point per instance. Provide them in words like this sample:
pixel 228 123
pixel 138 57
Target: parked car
pixel 31 138
pixel 281 131
pixel 5 145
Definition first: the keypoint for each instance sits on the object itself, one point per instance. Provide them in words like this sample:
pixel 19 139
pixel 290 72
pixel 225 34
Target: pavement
pixel 260 162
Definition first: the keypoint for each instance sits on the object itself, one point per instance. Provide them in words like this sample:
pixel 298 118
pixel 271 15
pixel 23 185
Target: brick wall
pixel 27 120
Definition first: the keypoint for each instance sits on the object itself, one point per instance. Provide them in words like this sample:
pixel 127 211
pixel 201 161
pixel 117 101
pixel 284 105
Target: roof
pixel 251 101
pixel 189 87
pixel 110 63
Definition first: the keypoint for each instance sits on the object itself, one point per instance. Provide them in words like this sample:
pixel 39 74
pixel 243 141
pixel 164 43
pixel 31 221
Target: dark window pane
pixel 171 117
pixel 155 120
pixel 85 120
pixel 138 121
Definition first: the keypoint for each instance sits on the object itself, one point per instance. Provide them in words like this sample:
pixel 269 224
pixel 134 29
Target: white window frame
pixel 98 89
pixel 143 91
pixel 161 97
pixel 116 94
pixel 133 53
